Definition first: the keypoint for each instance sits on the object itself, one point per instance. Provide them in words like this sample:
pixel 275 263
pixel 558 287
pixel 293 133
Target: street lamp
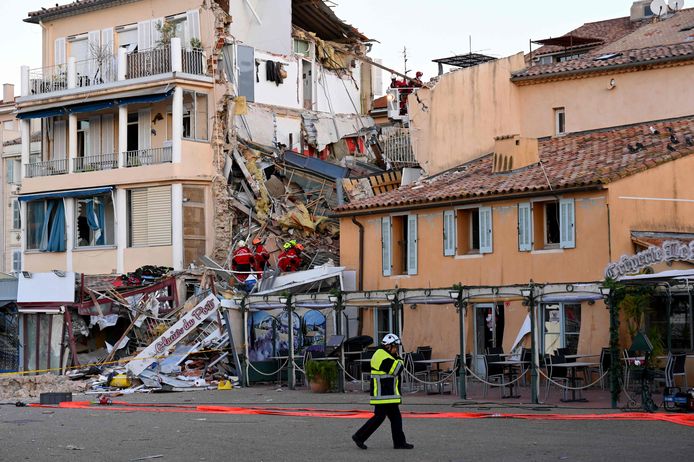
pixel 454 294
pixel 390 296
pixel 333 298
pixel 284 300
pixel 529 294
pixel 608 295
pixel 457 295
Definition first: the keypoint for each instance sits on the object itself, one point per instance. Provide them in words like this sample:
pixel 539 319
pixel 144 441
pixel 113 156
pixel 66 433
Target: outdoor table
pixel 438 363
pixel 573 366
pixel 579 356
pixel 509 366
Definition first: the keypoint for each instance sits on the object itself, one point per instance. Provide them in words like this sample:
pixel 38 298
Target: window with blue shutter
pixel 525 227
pixel 567 227
pixel 412 244
pixel 485 214
pixel 386 246
pixel 449 233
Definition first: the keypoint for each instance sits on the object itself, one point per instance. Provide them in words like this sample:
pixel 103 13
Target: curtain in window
pixel 53 228
pixel 96 216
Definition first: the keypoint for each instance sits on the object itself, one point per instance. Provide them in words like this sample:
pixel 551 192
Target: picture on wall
pixel 261 335
pixel 314 331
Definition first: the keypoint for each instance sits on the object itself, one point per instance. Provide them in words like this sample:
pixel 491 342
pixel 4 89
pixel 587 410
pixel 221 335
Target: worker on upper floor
pixel 290 258
pixel 242 261
pixel 260 256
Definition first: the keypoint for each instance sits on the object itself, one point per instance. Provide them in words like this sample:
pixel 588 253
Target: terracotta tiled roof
pixel 674 29
pixel 381 103
pixel 591 63
pixel 575 160
pixel 606 31
pixel 70 8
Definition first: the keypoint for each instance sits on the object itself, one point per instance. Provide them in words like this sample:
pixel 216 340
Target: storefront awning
pixel 68 193
pixel 97 103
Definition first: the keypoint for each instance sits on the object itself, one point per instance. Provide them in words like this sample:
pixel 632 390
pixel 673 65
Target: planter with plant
pixel 321 375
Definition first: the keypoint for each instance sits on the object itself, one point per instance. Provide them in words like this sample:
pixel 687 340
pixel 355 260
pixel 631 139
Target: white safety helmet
pixel 390 339
pixel 241 243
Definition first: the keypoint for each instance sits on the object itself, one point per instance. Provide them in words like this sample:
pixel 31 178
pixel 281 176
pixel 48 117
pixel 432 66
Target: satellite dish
pixel 659 7
pixel 676 5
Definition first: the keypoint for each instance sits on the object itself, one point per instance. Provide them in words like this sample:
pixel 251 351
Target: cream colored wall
pixel 45 261
pixel 136 257
pixel 100 261
pixel 122 15
pixel 459 117
pixel 644 212
pixel 589 104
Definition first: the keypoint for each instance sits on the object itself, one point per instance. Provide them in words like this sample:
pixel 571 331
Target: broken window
pixel 46 225
pixel 149 216
pixel 195 126
pixel 94 221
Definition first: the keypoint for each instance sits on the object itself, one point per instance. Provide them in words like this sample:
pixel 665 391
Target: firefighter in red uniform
pixel 242 261
pixel 260 256
pixel 290 258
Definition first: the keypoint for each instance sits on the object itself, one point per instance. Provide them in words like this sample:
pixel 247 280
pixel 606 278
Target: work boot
pixel 405 446
pixel 360 444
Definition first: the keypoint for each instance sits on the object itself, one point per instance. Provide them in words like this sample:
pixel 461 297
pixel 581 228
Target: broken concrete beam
pixel 241 162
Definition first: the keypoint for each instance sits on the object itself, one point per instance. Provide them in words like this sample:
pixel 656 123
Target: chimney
pixel 641 9
pixel 7 93
pixel 512 152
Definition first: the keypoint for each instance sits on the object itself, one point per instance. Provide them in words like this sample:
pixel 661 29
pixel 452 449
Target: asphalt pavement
pixel 106 434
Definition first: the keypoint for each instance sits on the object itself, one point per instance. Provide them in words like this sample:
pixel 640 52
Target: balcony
pixel 137 158
pixel 397 102
pixel 100 71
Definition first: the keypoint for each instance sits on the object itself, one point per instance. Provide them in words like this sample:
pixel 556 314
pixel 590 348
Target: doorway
pixel 307 80
pixel 489 330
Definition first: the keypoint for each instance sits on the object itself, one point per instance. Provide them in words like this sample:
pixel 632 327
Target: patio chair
pixel 628 367
pixel 527 357
pixel 678 369
pixel 494 373
pixel 605 364
pixel 419 371
pixel 557 374
pixel 495 350
pixel 425 351
pixel 366 368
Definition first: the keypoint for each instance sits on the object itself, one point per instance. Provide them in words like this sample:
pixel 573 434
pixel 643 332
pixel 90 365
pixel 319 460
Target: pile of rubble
pixel 17 387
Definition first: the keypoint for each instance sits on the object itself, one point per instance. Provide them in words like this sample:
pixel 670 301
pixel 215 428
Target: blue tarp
pixel 68 193
pixel 315 165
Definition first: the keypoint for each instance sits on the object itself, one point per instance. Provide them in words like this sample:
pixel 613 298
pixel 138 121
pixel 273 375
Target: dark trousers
pixel 381 411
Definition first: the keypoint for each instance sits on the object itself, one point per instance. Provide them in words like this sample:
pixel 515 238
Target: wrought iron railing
pixel 193 61
pixel 150 156
pixel 47 79
pixel 148 62
pixel 95 163
pixel 47 168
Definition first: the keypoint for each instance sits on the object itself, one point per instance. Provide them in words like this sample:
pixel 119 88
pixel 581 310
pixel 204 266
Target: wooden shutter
pixel 93 52
pixel 192 26
pixel 386 246
pixel 144 35
pixel 94 147
pixel 567 234
pixel 525 227
pixel 144 133
pixel 156 31
pixel 138 217
pixel 59 52
pixel 108 66
pixel 59 140
pixel 449 233
pixel 107 140
pixel 159 216
pixel 485 229
pixel 412 244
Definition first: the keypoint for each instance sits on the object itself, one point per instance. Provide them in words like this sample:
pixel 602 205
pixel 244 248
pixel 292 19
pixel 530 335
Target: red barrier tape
pixel 680 419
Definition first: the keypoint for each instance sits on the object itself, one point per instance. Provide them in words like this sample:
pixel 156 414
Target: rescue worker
pixel 290 259
pixel 242 260
pixel 386 367
pixel 260 256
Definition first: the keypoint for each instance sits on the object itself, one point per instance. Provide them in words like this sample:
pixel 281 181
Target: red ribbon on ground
pixel 676 418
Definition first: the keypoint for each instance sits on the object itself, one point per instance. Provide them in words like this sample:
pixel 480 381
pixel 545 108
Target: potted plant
pixel 321 375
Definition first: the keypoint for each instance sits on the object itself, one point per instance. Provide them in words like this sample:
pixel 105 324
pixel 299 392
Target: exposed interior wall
pixel 272 32
pixel 458 119
pixel 289 93
pixel 339 92
pixel 636 97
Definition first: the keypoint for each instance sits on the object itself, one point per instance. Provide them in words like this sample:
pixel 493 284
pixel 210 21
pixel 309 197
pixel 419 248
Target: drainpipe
pixel 360 316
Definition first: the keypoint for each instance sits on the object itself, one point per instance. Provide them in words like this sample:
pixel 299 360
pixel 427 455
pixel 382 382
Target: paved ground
pixel 105 435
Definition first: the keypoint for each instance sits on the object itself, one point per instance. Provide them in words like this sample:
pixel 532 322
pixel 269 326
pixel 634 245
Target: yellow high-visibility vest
pixel 385 384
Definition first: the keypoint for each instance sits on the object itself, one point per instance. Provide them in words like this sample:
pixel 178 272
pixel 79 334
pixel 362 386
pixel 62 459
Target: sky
pixel 428 28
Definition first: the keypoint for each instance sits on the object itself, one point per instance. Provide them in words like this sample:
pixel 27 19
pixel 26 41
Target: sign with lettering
pixel 174 334
pixel 667 252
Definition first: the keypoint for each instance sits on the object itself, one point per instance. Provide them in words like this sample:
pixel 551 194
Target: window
pixel 149 216
pixel 127 37
pixel 13 171
pixel 245 60
pixel 680 322
pixel 94 221
pixel 82 138
pixel 383 323
pixel 301 47
pixel 551 226
pixel 46 225
pixel 132 136
pixel 399 244
pixel 449 234
pixel 79 49
pixel 474 230
pixel 559 121
pixel 16 260
pixel 16 215
pixel 561 326
pixel 195 115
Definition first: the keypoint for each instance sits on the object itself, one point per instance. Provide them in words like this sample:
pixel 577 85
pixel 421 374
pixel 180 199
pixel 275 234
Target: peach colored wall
pixel 135 257
pixel 94 261
pixel 121 15
pixel 667 181
pixel 589 104
pixel 465 110
pixel 44 261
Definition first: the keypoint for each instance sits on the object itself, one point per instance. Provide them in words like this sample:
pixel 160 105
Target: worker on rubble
pixel 417 81
pixel 242 261
pixel 260 256
pixel 290 258
pixel 386 369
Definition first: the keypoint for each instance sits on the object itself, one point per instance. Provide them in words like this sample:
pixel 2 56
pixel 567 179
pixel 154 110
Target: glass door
pixel 489 331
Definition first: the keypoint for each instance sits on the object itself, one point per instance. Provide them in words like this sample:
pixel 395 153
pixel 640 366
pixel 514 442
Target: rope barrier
pixel 347 373
pixel 496 384
pixel 448 376
pixel 250 364
pixel 566 387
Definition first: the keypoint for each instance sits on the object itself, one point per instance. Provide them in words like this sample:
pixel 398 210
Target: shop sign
pixel 667 252
pixel 174 334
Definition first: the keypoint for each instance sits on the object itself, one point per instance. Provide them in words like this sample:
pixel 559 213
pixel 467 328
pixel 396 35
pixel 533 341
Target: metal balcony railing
pixel 95 163
pixel 47 168
pixel 96 71
pixel 47 79
pixel 147 156
pixel 397 102
pixel 148 62
pixel 193 61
